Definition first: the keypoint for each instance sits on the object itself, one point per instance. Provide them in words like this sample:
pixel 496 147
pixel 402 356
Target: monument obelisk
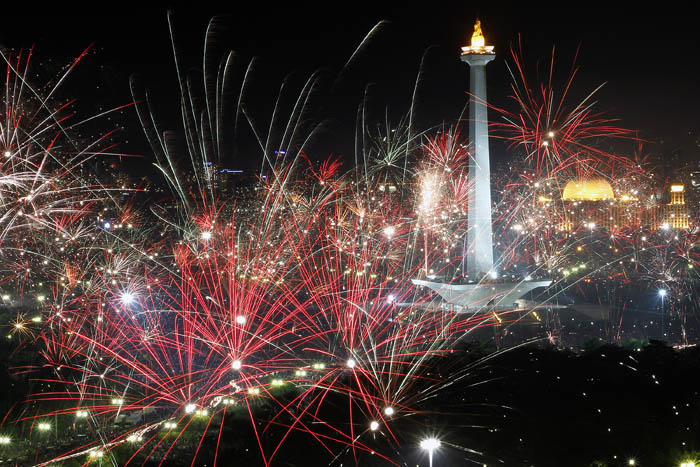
pixel 479 254
pixel 480 293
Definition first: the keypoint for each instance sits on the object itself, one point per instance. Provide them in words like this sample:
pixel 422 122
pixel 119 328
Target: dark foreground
pixel 533 405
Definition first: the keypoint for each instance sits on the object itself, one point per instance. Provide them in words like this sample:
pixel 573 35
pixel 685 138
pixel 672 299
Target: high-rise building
pixel 676 212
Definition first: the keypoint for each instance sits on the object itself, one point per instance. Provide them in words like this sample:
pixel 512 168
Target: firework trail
pixel 301 280
pixel 592 249
pixel 290 296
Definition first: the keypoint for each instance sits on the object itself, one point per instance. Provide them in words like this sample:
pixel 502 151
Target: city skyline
pixel 250 241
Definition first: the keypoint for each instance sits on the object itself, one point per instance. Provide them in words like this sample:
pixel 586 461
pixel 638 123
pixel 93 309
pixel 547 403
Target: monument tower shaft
pixel 479 254
pixel 477 295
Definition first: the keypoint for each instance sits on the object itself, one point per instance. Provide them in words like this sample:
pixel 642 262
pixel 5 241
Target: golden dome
pixel 594 189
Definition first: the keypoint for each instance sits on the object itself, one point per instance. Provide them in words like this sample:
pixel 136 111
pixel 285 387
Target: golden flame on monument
pixel 478 44
pixel 478 39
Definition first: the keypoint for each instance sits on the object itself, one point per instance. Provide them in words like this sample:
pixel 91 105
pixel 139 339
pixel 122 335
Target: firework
pixel 287 298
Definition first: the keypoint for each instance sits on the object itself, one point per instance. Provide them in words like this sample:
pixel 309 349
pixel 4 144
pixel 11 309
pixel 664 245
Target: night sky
pixel 648 56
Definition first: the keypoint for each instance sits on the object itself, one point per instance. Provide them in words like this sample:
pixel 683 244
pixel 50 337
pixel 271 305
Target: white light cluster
pixel 430 444
pixel 127 298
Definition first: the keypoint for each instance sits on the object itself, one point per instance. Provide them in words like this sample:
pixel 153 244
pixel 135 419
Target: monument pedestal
pixel 482 296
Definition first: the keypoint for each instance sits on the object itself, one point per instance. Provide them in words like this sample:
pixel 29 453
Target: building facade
pixel 592 204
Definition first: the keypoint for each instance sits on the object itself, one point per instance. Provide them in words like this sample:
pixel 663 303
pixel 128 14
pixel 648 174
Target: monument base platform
pixel 484 295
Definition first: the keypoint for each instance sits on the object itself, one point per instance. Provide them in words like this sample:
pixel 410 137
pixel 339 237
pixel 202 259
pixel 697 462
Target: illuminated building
pixel 676 212
pixel 595 189
pixel 592 203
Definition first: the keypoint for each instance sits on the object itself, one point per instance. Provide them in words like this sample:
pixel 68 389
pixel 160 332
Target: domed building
pixel 594 189
pixel 592 203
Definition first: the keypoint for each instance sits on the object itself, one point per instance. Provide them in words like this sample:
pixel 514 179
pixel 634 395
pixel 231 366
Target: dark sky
pixel 649 56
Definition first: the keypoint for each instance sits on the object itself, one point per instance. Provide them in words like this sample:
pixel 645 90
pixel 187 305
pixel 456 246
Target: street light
pixel 662 294
pixel 430 445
